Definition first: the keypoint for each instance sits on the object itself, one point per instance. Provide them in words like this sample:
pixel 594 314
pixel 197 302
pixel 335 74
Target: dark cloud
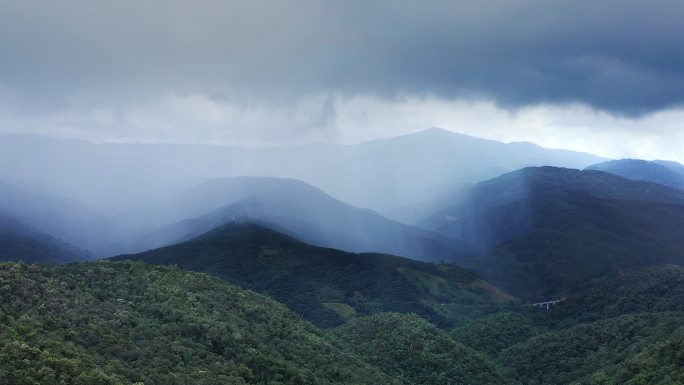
pixel 626 57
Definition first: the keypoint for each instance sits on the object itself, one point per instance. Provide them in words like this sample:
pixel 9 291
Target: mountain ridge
pixel 340 170
pixel 308 214
pixel 544 231
pixel 667 173
pixel 327 286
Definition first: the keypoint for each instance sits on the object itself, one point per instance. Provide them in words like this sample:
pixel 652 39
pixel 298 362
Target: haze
pixel 114 117
pixel 605 79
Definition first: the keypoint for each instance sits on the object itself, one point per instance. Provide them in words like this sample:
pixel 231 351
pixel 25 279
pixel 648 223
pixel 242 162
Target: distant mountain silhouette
pixel 67 219
pixel 658 171
pixel 300 210
pixel 328 286
pixel 421 166
pixel 379 174
pixel 21 242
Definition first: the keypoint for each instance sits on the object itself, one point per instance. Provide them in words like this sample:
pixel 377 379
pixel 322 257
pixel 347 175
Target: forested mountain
pixel 127 322
pixel 657 171
pixel 651 290
pixel 545 231
pixel 631 349
pixel 21 242
pixel 328 286
pixel 625 330
pixel 433 357
pixel 494 333
pixel 300 210
pixel 123 323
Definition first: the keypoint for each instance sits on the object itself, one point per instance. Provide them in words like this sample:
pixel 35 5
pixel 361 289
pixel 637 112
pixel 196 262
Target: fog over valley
pixel 98 195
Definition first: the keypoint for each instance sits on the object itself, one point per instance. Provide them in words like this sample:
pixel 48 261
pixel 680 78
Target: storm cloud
pixel 624 57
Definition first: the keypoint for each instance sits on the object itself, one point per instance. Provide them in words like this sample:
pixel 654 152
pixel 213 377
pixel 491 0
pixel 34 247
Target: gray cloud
pixel 625 57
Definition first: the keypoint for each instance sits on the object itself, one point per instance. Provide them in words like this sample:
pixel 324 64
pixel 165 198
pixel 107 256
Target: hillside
pixel 662 172
pixel 111 198
pixel 21 242
pixel 650 290
pixel 631 349
pixel 305 211
pixel 97 322
pixel 328 286
pixel 433 357
pixel 67 219
pixel 547 231
pixel 624 330
pixel 124 323
pixel 494 333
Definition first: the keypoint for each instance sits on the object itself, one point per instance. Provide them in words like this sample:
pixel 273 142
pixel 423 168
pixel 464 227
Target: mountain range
pixel 97 322
pixel 658 171
pixel 112 198
pixel 328 286
pixel 378 174
pixel 293 207
pixel 478 230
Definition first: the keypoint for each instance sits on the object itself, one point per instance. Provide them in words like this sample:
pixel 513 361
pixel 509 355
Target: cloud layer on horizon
pixel 283 72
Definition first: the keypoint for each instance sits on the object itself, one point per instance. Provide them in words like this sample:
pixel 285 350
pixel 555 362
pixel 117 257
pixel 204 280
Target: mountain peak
pixel 435 130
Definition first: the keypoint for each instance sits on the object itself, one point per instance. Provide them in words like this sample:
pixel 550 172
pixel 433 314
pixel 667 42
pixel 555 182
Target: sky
pixel 602 77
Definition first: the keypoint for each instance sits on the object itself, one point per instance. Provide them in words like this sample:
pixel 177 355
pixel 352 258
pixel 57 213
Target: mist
pixel 107 198
pixel 275 185
pixel 112 115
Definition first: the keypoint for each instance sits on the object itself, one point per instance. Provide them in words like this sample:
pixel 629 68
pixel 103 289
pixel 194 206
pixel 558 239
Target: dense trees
pixel 122 323
pixel 408 347
pixel 632 349
pixel 494 333
pixel 328 286
pixel 627 330
pixel 543 231
pixel 128 322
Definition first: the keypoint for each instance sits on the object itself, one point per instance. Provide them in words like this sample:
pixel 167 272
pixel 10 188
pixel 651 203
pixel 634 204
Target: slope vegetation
pixel 408 347
pixel 651 290
pixel 306 213
pixel 123 323
pixel 625 330
pixel 545 231
pixel 328 286
pixel 630 349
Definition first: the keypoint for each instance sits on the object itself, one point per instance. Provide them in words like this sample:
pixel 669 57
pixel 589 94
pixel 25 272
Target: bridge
pixel 547 303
